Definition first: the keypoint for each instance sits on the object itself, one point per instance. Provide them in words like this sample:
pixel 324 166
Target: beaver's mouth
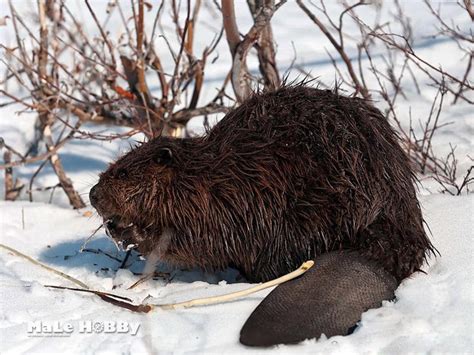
pixel 127 235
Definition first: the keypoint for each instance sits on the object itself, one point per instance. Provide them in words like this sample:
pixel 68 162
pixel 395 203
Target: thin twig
pixel 46 267
pixel 234 295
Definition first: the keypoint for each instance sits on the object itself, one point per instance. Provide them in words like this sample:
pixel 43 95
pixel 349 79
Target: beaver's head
pixel 134 194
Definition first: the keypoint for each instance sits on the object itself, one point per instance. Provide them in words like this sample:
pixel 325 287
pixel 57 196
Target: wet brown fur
pixel 288 175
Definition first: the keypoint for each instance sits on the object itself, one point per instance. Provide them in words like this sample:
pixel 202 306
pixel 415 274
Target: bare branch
pixel 339 46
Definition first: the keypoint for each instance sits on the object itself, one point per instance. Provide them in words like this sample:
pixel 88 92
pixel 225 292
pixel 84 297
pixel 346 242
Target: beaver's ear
pixel 164 156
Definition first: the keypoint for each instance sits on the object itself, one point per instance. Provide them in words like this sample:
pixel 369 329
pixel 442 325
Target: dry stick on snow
pixel 46 267
pixel 234 295
pixel 107 297
pixel 145 308
pixel 98 293
pixel 125 259
pixel 101 252
pixel 141 280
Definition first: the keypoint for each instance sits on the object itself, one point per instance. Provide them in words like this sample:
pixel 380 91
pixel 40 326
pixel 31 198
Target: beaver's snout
pixel 100 201
pixel 104 205
pixel 93 198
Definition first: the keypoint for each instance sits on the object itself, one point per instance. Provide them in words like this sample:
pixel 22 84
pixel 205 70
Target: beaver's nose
pixel 93 198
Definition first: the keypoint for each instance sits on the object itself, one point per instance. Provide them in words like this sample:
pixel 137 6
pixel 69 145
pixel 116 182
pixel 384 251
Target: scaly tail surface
pixel 328 299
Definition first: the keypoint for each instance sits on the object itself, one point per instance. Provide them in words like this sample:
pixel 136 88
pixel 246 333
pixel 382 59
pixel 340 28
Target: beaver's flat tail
pixel 328 299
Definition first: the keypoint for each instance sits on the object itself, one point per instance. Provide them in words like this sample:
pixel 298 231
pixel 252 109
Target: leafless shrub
pixel 71 78
pixel 446 175
pixel 91 86
pixel 390 76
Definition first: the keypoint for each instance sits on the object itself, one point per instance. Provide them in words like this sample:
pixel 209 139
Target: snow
pixel 433 312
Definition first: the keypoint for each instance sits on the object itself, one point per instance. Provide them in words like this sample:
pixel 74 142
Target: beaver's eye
pixel 164 156
pixel 121 173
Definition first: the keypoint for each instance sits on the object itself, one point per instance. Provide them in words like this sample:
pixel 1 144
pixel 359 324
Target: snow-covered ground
pixel 433 313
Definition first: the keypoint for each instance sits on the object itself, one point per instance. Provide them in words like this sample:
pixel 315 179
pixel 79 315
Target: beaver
pixel 290 175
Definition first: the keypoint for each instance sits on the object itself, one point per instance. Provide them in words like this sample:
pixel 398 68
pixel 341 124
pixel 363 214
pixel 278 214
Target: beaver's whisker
pixel 109 235
pixel 92 235
pixel 148 226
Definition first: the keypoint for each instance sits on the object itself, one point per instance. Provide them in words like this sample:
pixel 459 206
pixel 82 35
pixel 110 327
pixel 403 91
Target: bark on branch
pixel 46 118
pixel 239 49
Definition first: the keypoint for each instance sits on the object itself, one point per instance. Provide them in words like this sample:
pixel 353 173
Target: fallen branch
pixel 145 308
pixel 98 293
pixel 107 297
pixel 46 267
pixel 234 295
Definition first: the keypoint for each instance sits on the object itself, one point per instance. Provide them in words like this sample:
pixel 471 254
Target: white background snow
pixel 433 313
